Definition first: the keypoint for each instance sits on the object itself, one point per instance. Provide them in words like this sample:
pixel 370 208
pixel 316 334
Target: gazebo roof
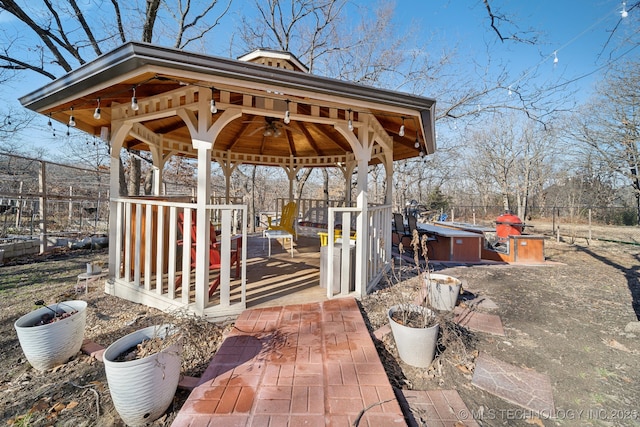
pixel 165 79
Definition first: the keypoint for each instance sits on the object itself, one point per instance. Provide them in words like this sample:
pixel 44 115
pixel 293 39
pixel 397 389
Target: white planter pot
pixel 443 291
pixel 143 389
pixel 46 346
pixel 416 346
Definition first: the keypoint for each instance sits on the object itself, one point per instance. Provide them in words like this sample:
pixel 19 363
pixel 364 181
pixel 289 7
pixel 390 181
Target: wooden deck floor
pixel 282 279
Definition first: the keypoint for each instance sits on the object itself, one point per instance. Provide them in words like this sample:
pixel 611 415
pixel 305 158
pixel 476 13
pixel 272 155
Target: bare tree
pixel 55 36
pixel 497 20
pixel 512 159
pixel 609 126
pixel 306 28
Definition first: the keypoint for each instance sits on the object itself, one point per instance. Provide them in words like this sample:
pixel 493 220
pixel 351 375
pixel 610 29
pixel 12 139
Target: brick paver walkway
pixel 308 364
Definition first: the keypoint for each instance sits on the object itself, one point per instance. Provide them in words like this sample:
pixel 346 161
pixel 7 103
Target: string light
pixel 623 13
pixel 68 130
pixel 96 114
pixel 287 115
pixel 72 120
pixel 212 106
pixel 134 101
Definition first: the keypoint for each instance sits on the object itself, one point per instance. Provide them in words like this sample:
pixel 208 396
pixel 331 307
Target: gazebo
pixel 262 109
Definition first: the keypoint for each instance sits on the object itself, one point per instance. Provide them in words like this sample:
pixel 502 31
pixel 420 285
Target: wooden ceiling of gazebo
pixel 163 79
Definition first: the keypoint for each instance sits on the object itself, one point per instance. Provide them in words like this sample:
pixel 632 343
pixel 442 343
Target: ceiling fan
pixel 272 127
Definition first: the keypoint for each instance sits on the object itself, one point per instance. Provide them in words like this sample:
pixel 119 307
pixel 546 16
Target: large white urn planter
pixel 416 344
pixel 51 344
pixel 143 389
pixel 442 291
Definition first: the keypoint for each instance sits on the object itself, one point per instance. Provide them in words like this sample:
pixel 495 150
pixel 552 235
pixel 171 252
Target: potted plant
pixel 415 331
pixel 442 290
pixel 414 325
pixel 52 334
pixel 143 371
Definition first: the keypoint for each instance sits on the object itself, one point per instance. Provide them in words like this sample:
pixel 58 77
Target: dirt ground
pixel 568 319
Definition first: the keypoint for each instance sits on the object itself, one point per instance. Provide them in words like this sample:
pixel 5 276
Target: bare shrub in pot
pixel 52 334
pixel 143 371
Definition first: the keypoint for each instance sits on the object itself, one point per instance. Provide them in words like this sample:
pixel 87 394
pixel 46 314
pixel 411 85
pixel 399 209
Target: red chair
pixel 214 252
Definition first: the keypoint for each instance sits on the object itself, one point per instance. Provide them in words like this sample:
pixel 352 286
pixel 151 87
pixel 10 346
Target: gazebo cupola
pixel 275 58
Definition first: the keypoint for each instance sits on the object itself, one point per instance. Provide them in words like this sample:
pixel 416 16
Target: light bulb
pixel 624 12
pixel 422 153
pixel 417 144
pixel 555 57
pixel 72 120
pixel 134 101
pixel 213 107
pixel 350 124
pixel 287 117
pixel 401 131
pixel 96 114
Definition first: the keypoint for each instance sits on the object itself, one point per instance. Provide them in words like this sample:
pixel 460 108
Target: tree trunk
pixel 325 176
pixel 133 188
pixel 300 182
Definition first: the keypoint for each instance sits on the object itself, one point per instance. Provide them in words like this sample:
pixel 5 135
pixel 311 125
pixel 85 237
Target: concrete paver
pixel 437 408
pixel 525 388
pixel 478 321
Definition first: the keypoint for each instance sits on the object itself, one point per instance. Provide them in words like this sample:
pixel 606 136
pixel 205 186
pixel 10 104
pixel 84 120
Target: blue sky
pixel 577 30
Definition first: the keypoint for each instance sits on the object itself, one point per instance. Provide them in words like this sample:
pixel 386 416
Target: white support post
pixel 202 225
pixel 118 134
pixel 362 230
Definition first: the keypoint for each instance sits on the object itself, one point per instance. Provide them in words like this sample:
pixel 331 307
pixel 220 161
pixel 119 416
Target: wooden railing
pixel 378 243
pixel 306 205
pixel 150 266
pixel 373 249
